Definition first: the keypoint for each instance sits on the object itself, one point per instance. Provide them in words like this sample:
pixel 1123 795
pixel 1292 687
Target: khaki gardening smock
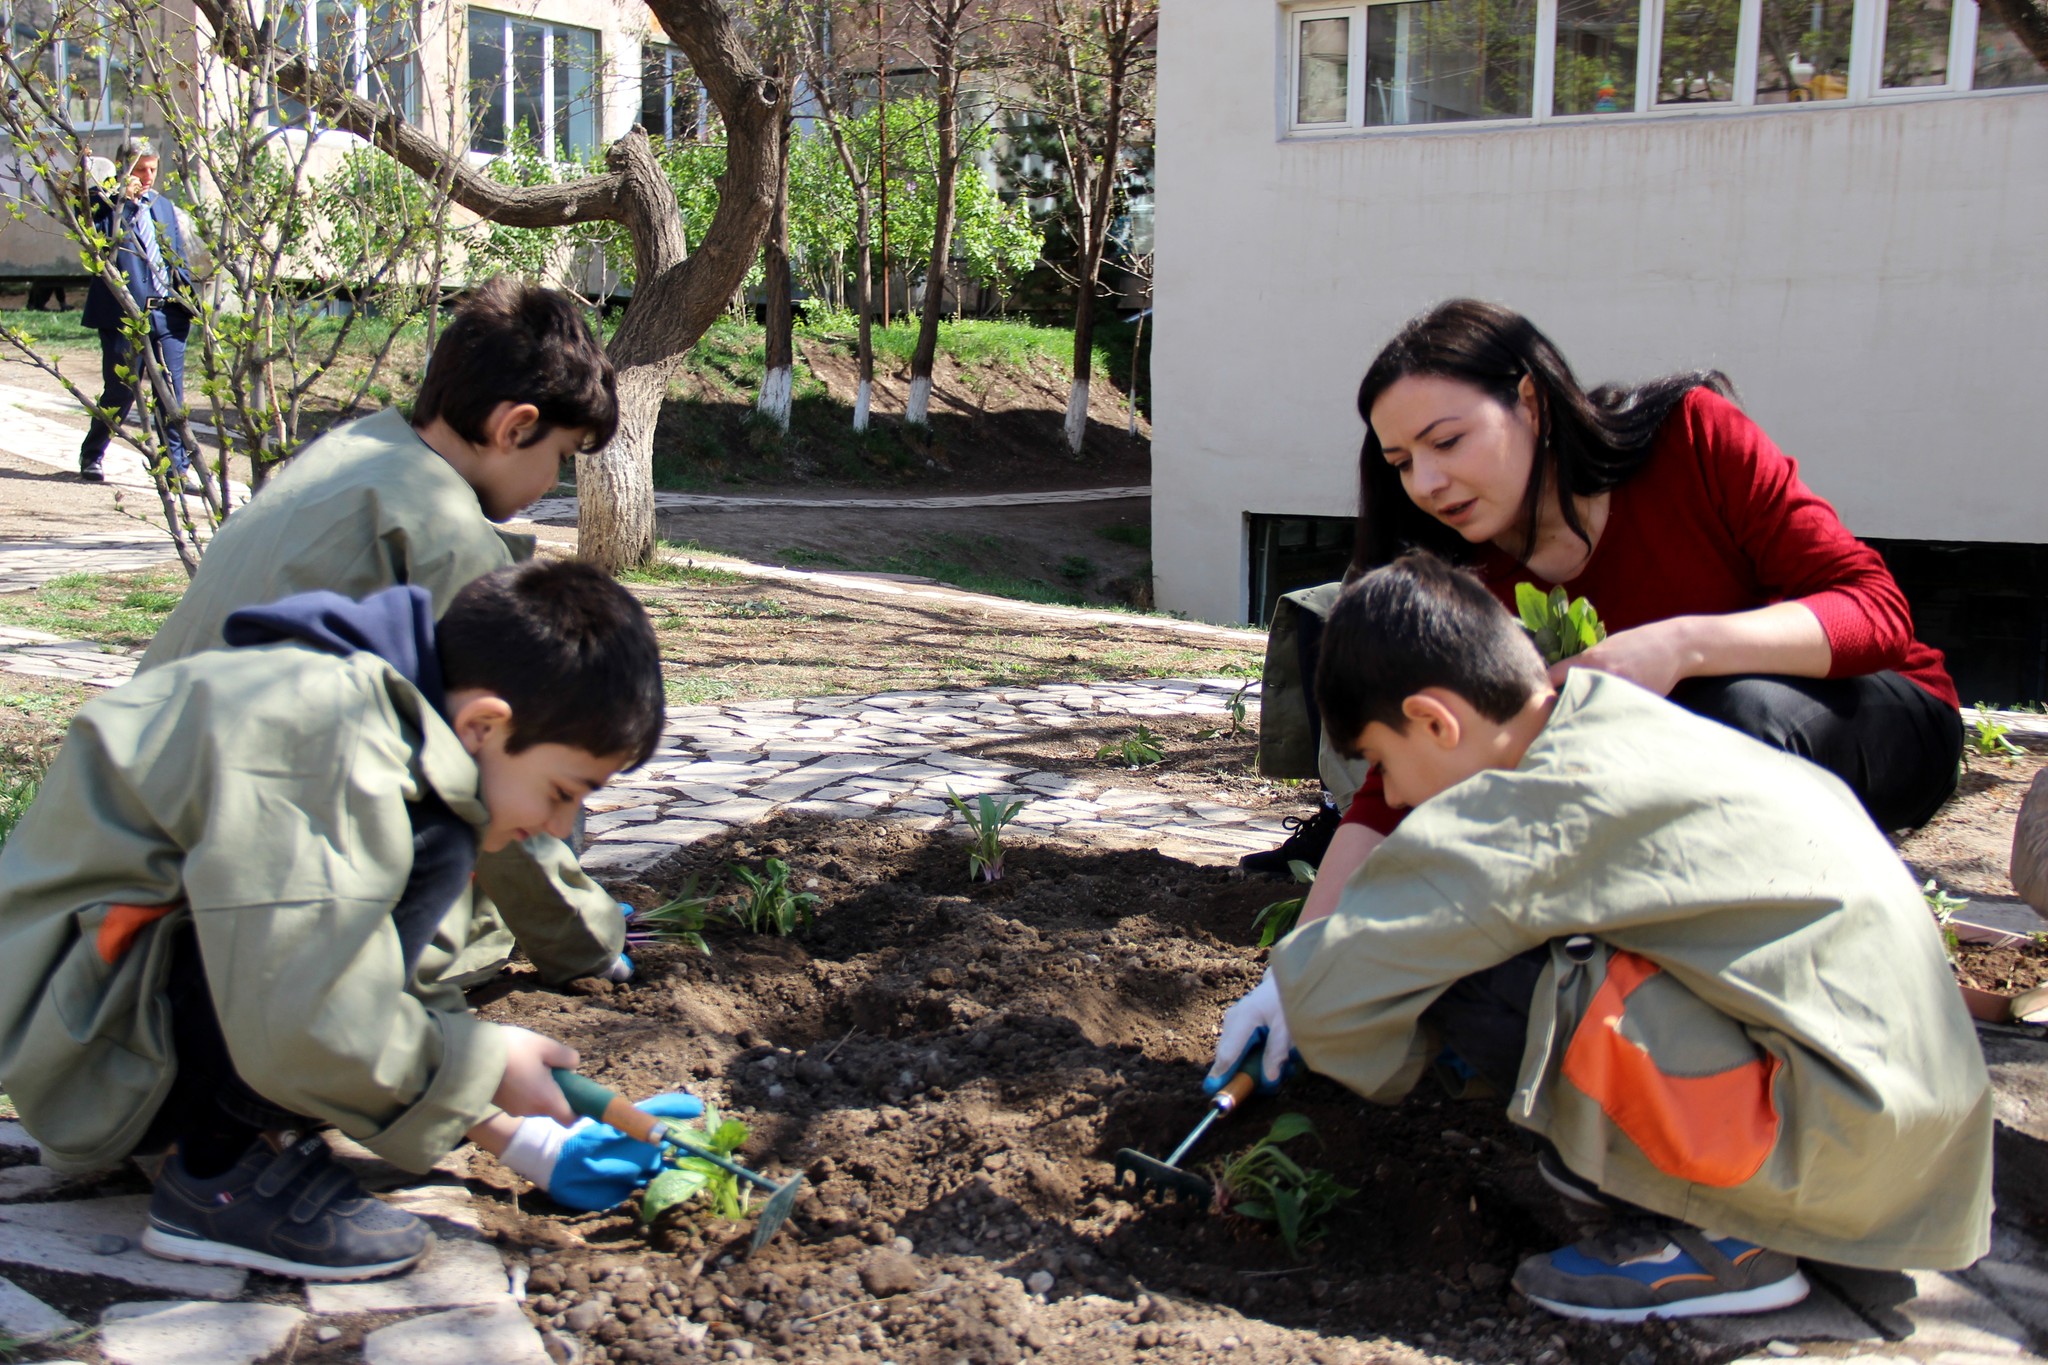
pixel 1763 1037
pixel 366 507
pixel 262 794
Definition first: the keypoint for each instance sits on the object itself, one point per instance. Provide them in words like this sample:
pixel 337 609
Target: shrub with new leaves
pixel 1139 750
pixel 768 904
pixel 1560 626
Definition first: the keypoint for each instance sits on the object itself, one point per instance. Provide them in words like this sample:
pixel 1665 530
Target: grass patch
pixel 1137 534
pixel 59 329
pixel 670 571
pixel 697 691
pixel 114 609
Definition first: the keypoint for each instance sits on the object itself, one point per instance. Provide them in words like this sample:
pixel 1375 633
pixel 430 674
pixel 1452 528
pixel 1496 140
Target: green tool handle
pixel 587 1099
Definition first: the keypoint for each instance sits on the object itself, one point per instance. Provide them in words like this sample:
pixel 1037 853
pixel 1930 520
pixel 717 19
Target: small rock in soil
pixel 1039 1282
pixel 109 1244
pixel 584 1317
pixel 326 1333
pixel 886 1272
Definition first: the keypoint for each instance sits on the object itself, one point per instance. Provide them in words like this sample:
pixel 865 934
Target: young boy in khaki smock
pixel 1691 962
pixel 516 387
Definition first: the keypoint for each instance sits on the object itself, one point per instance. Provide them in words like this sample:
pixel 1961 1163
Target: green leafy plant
pixel 768 905
pixel 1943 907
pixel 1137 751
pixel 679 921
pixel 1236 708
pixel 1277 920
pixel 1265 1183
pixel 1560 626
pixel 985 819
pixel 689 1177
pixel 1988 737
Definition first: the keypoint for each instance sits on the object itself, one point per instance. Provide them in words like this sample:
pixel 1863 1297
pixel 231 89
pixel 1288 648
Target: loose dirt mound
pixel 956 1065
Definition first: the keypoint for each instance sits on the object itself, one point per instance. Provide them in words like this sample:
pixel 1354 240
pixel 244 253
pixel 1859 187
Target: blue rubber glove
pixel 598 1166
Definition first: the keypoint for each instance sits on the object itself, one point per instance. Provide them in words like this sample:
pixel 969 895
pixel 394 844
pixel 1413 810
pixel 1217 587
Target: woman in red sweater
pixel 1725 583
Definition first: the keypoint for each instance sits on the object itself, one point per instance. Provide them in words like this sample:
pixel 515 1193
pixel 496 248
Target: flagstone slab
pixel 27 1318
pixel 195 1333
pixel 455 1274
pixel 497 1333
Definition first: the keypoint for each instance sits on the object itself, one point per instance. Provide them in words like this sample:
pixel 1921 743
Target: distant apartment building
pixel 1839 202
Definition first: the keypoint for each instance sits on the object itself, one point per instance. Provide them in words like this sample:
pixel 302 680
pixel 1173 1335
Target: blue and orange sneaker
pixel 1659 1269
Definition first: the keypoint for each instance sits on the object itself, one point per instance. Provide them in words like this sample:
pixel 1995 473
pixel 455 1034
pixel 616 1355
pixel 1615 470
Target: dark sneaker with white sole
pixel 295 1212
pixel 1639 1270
pixel 1307 841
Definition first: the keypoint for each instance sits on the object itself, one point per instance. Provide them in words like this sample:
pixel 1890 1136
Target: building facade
pixel 1838 202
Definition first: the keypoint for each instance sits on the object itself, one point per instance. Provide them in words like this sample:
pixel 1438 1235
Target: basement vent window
pixel 1294 552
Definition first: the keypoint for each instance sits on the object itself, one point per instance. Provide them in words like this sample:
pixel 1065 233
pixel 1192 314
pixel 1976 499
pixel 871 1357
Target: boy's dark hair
pixel 512 341
pixel 1413 624
pixel 571 652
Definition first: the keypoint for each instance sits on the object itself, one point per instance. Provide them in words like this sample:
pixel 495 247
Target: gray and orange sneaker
pixel 293 1211
pixel 1659 1269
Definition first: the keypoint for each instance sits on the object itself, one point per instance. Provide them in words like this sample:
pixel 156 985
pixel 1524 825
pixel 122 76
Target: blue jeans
pixel 167 341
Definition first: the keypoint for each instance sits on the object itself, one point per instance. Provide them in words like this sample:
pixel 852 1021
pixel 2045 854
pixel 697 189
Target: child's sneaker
pixel 1659 1270
pixel 295 1212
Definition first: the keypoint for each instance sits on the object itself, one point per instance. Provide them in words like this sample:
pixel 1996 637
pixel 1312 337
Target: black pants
pixel 1894 743
pixel 1484 1017
pixel 168 329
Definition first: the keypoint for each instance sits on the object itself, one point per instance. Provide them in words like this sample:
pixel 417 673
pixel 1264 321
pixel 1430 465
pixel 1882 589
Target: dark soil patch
pixel 2004 968
pixel 1201 758
pixel 956 1065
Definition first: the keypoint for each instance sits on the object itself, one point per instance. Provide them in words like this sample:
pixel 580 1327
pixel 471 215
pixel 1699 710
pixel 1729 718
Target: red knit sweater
pixel 1717 521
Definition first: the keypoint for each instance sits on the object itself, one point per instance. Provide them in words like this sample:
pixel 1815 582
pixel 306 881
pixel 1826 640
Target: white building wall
pixel 1873 278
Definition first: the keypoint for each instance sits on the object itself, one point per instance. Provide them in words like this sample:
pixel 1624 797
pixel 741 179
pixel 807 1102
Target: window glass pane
pixel 84 101
pixel 120 86
pixel 1697 62
pixel 654 89
pixel 2003 60
pixel 1323 80
pixel 1803 51
pixel 529 82
pixel 1915 44
pixel 389 47
pixel 575 91
pixel 1445 61
pixel 487 81
pixel 682 97
pixel 1596 56
pixel 29 29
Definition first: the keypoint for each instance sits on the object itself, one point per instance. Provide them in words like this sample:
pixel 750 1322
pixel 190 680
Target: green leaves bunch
pixel 985 820
pixel 1988 737
pixel 1943 907
pixel 1560 626
pixel 1264 1183
pixel 1277 920
pixel 691 1177
pixel 1139 750
pixel 767 904
pixel 680 921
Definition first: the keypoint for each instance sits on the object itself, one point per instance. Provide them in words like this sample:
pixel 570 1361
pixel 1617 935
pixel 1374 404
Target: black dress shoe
pixel 1308 842
pixel 91 473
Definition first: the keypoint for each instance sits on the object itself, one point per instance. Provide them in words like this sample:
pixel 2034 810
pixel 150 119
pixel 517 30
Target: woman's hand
pixel 1658 656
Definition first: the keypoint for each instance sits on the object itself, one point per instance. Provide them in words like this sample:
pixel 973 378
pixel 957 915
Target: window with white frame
pixel 535 77
pixel 1395 63
pixel 371 47
pixel 88 73
pixel 670 98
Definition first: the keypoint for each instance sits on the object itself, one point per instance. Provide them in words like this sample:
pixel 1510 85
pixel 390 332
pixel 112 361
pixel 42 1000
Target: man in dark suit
pixel 149 253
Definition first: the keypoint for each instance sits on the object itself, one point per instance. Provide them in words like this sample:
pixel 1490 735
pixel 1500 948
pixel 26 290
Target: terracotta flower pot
pixel 1999 1007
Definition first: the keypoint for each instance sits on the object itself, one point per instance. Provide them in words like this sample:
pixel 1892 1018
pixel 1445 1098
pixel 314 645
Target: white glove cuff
pixel 535 1147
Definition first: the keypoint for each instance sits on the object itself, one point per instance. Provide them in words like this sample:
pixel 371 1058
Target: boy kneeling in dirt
pixel 516 387
pixel 211 914
pixel 1693 964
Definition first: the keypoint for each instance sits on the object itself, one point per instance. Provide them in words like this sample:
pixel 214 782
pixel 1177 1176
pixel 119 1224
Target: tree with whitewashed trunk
pixel 1090 74
pixel 827 65
pixel 677 293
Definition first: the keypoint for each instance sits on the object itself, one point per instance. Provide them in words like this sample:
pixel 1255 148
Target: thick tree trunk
pixel 1095 240
pixel 917 412
pixel 780 344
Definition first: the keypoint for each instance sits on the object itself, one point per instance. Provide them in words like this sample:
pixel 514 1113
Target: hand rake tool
pixel 592 1101
pixel 1167 1176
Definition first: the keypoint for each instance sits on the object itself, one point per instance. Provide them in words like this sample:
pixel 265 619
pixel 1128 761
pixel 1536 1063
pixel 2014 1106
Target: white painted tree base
pixel 1077 415
pixel 918 411
pixel 774 401
pixel 860 405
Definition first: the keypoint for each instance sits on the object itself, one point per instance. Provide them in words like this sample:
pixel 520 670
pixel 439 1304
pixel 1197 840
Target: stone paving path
pixel 564 509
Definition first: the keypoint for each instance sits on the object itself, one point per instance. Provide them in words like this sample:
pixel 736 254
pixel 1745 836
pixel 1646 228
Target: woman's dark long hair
pixel 1586 443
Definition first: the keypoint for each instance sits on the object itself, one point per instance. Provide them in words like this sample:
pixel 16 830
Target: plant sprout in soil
pixel 1560 626
pixel 985 820
pixel 1943 907
pixel 1988 737
pixel 1277 920
pixel 768 905
pixel 1264 1183
pixel 1140 750
pixel 688 1177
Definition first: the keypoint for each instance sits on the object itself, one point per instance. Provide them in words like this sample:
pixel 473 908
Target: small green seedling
pixel 986 819
pixel 1943 907
pixel 768 905
pixel 680 921
pixel 15 795
pixel 1560 626
pixel 1265 1183
pixel 1989 737
pixel 1277 920
pixel 687 1177
pixel 1140 750
pixel 1236 709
